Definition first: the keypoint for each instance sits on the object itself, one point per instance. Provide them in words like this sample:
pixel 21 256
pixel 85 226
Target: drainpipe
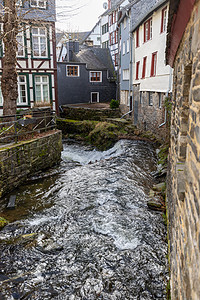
pixel 167 93
pixel 131 69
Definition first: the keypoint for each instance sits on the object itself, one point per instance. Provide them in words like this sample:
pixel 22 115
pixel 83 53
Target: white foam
pixel 78 154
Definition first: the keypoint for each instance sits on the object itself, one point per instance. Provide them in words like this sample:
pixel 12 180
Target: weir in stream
pixel 84 231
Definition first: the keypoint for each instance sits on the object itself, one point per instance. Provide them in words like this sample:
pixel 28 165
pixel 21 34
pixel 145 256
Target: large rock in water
pixel 104 136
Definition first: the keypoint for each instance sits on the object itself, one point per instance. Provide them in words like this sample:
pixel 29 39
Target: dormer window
pixel 38 3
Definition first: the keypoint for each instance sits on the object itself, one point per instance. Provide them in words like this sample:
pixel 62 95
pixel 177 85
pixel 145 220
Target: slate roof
pixel 95 59
pixel 80 36
pixel 142 9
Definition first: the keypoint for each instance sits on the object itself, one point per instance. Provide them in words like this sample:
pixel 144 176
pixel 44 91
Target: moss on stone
pixel 3 222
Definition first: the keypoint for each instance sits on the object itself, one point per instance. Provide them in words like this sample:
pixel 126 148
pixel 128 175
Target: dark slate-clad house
pixel 86 75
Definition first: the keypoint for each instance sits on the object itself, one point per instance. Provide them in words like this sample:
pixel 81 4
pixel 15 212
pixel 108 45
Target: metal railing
pixel 14 128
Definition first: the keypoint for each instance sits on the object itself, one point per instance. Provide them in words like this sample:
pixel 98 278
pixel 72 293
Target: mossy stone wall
pixel 77 113
pixel 24 159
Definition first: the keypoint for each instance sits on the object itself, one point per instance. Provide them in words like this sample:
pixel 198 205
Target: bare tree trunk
pixel 9 75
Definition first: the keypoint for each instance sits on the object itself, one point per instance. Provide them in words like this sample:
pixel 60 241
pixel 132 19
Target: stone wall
pixel 184 166
pixel 78 113
pixel 24 159
pixel 149 112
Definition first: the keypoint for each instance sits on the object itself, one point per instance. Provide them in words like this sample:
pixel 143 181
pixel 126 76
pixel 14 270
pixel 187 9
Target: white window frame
pixel 97 96
pixel 127 46
pixel 41 83
pixel 37 4
pixel 40 36
pixel 124 48
pixel 68 75
pixel 165 20
pixel 22 43
pixel 95 72
pixel 20 84
pixel 125 74
pixel 19 103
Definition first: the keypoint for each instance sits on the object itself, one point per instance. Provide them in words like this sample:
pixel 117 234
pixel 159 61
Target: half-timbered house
pixel 36 55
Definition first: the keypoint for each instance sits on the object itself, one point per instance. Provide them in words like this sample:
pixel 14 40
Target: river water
pixel 84 231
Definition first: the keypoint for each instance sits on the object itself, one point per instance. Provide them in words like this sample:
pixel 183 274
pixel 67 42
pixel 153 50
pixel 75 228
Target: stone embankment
pixel 21 160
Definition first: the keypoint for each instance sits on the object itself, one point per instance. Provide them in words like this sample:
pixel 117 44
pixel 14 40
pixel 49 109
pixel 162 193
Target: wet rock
pixel 49 246
pixel 151 193
pixel 155 205
pixel 159 187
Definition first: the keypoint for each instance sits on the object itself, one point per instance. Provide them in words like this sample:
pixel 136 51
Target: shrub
pixel 114 104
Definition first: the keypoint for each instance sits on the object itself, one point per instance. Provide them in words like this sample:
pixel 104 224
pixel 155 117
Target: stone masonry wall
pixel 184 167
pixel 24 159
pixel 149 115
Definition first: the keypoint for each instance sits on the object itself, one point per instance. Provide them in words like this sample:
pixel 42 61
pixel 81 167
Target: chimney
pixel 72 47
pixel 109 4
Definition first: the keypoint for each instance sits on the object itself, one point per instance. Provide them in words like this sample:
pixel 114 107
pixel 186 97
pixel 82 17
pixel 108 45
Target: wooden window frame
pixel 95 76
pixel 154 64
pixel 164 20
pixel 144 67
pixel 137 70
pixel 137 38
pixel 148 30
pixel 73 69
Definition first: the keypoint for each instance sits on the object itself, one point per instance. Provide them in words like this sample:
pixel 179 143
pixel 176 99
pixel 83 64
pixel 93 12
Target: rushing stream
pixel 84 231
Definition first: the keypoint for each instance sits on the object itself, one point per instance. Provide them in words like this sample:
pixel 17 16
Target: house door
pixel 94 97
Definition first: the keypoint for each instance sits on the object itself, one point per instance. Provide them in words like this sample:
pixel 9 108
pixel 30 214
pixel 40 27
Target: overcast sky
pixel 82 15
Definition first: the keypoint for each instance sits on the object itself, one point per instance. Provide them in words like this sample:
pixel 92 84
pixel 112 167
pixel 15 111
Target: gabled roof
pixel 142 9
pixel 80 36
pixel 95 59
pixel 88 34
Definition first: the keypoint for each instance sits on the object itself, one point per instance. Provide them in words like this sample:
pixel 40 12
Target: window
pixel 137 38
pixel 20 44
pixel 164 20
pixel 73 71
pixel 150 99
pixel 105 44
pixel 22 90
pixel 159 100
pixel 127 46
pixel 125 21
pixel 153 64
pixel 140 97
pixel 95 76
pixel 98 38
pixel 39 41
pixel 105 28
pixel 124 48
pixel 144 67
pixel 112 38
pixel 126 74
pixel 116 59
pixel 148 30
pixel 42 89
pixel 38 3
pixel 137 70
